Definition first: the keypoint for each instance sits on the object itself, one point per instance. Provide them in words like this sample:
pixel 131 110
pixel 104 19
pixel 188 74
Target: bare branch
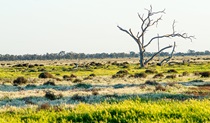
pixel 147 22
pixel 141 17
pixel 129 33
pixel 173 27
pixel 184 36
pixel 163 11
pixel 168 58
pixel 157 54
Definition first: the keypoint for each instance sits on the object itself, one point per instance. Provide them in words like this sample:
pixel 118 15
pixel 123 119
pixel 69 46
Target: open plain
pixel 105 90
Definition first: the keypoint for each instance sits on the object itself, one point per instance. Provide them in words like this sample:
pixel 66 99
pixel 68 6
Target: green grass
pixel 136 110
pixel 14 72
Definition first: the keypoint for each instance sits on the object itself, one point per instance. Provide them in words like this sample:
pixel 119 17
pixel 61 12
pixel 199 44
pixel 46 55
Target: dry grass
pixel 96 87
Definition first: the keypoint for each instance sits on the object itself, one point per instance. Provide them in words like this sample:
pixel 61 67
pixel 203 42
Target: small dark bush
pixel 50 95
pixel 44 106
pixel 67 78
pixel 119 86
pixel 140 75
pixel 49 83
pixel 172 71
pixel 73 76
pixel 205 74
pixel 159 75
pixel 197 80
pixel 83 85
pixel 78 97
pixel 36 65
pixel 196 73
pixel 32 70
pixel 159 87
pixel 18 65
pixel 45 75
pixel 171 76
pixel 31 86
pixel 88 77
pixel 150 71
pixel 20 81
pixel 95 92
pixel 92 75
pixel 185 73
pixel 77 80
pixel 149 82
pixel 25 64
pixel 172 83
pixel 120 74
pixel 30 66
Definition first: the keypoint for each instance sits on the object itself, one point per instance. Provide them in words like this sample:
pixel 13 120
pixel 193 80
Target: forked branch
pixel 170 56
pixel 157 54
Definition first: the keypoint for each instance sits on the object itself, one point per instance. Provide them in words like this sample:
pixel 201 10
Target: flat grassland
pixel 105 90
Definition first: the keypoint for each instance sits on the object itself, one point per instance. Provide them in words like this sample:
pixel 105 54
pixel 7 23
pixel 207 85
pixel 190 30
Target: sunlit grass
pixel 136 110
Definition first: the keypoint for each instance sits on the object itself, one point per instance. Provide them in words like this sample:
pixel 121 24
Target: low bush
pixel 196 73
pixel 77 81
pixel 159 87
pixel 73 76
pixel 44 106
pixel 49 83
pixel 45 75
pixel 92 75
pixel 159 75
pixel 20 81
pixel 149 82
pixel 140 75
pixel 185 73
pixel 67 78
pixel 51 95
pixel 150 71
pixel 171 76
pixel 172 71
pixel 120 74
pixel 78 97
pixel 172 83
pixel 205 74
pixel 119 86
pixel 83 85
pixel 95 92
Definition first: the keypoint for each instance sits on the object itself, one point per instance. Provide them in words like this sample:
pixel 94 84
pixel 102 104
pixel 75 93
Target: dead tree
pixel 139 38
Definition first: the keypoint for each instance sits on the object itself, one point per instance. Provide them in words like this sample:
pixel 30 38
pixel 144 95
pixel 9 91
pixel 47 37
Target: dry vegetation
pixel 42 84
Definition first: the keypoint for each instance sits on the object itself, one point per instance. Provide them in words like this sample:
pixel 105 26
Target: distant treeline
pixel 72 55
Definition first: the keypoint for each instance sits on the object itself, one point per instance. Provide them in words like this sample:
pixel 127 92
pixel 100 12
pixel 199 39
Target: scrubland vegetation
pixel 105 90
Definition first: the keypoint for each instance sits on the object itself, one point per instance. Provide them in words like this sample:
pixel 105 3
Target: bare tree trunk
pixel 141 60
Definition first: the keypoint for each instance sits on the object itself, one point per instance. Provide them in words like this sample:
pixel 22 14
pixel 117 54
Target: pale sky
pixel 90 26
